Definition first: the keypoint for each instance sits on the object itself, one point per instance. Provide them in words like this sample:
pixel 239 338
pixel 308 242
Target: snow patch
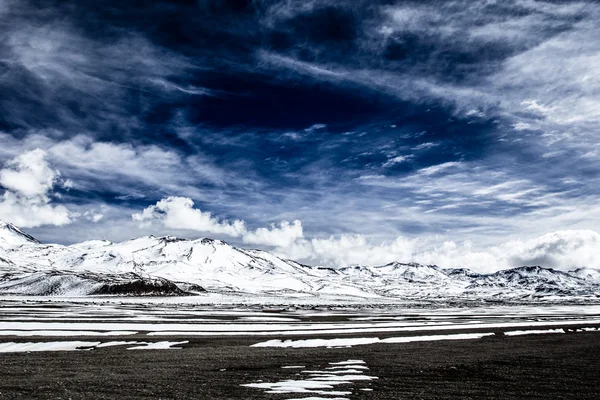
pixel 12 347
pixel 62 333
pixel 533 332
pixel 430 338
pixel 320 398
pixel 112 344
pixel 320 382
pixel 363 341
pixel 269 319
pixel 316 342
pixel 347 362
pixel 157 345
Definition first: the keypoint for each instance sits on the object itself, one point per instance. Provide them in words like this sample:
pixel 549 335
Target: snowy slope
pixel 403 280
pixel 587 274
pixel 169 265
pixel 69 283
pixel 11 236
pixel 214 263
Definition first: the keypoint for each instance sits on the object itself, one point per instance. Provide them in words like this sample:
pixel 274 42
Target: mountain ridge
pixel 168 265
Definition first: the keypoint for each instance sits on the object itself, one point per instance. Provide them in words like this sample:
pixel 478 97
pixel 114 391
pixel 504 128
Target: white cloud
pixel 356 249
pixel 561 249
pixel 29 175
pixel 425 146
pixel 315 127
pixel 95 215
pixel 521 126
pixel 27 181
pixel 434 169
pixel 282 236
pixel 179 213
pixel 395 160
pixel 533 105
pixel 193 90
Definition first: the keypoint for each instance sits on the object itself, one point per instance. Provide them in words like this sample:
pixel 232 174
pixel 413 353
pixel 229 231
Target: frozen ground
pixel 126 317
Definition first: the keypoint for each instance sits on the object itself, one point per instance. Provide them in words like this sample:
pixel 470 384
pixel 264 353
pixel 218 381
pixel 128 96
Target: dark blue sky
pixel 386 128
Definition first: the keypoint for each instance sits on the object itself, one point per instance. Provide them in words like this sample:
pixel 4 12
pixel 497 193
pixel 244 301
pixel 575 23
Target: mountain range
pixel 173 266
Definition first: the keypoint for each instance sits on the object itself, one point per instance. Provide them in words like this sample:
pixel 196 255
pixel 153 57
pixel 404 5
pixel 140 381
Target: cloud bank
pixel 562 250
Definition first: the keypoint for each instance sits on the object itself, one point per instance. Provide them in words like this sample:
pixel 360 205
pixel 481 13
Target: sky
pixel 458 133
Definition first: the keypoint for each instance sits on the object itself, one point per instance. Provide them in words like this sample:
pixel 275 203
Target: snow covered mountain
pixel 172 266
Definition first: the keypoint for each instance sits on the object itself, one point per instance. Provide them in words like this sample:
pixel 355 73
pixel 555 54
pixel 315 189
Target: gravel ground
pixel 553 366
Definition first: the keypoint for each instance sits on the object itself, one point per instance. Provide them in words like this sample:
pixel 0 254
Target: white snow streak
pixel 336 342
pixel 533 332
pixel 12 347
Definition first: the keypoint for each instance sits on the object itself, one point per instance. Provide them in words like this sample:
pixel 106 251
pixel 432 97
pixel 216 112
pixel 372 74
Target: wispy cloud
pixel 434 169
pixel 55 74
pixel 395 160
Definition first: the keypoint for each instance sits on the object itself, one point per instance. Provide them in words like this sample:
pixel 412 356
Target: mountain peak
pixel 532 270
pixel 409 265
pixel 12 236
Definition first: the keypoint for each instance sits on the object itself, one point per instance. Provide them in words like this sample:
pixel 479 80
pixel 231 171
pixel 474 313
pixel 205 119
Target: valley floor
pixel 141 351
